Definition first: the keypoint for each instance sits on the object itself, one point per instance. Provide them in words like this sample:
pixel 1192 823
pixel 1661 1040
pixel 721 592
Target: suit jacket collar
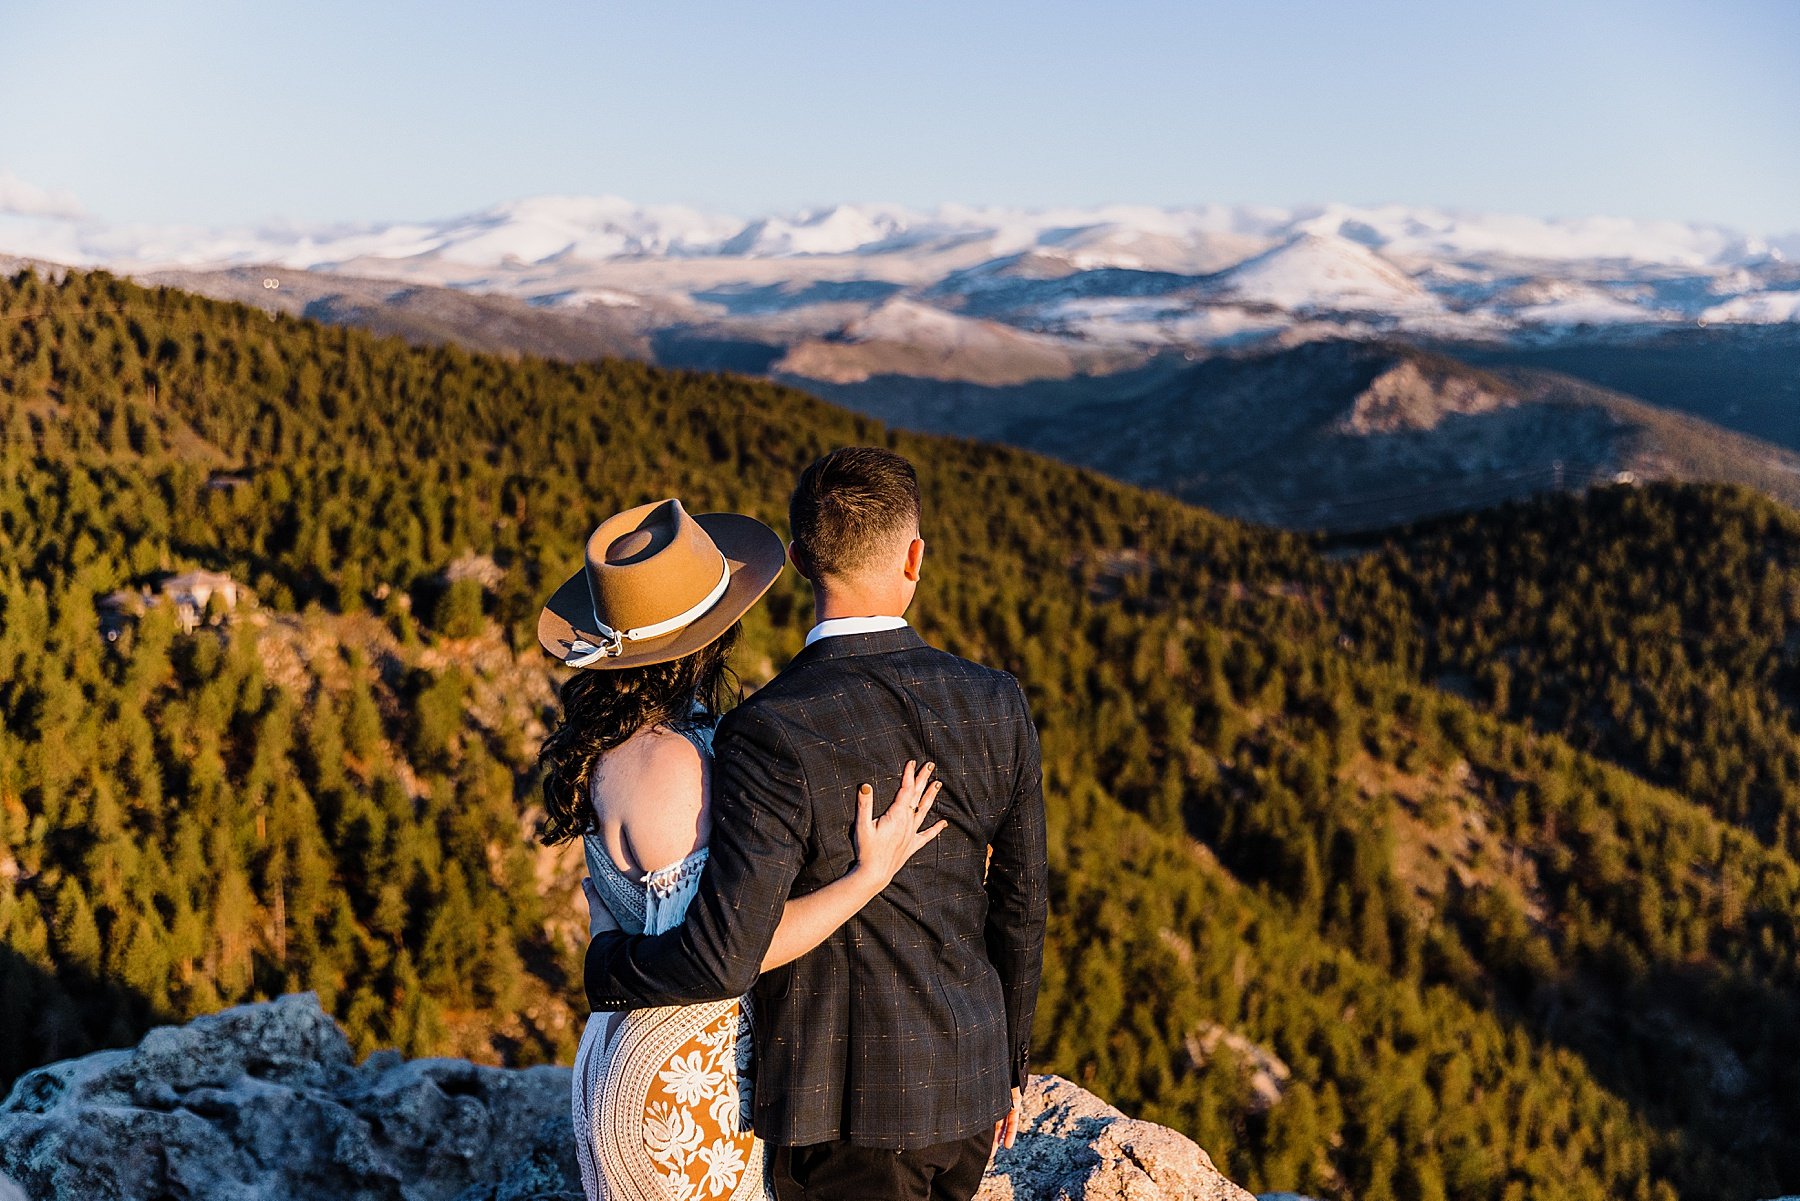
pixel 881 642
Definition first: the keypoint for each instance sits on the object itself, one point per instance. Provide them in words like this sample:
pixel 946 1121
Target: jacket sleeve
pixel 760 824
pixel 1018 888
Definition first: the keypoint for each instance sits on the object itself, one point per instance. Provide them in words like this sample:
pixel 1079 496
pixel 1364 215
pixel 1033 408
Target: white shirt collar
pixel 838 626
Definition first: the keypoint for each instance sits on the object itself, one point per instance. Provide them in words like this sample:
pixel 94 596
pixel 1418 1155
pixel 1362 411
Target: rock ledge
pixel 266 1103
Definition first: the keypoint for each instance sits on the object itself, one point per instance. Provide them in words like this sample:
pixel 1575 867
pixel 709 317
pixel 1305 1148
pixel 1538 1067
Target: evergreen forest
pixel 1459 862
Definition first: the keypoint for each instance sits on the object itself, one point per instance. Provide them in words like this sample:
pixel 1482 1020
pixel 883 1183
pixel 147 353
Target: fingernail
pixel 865 788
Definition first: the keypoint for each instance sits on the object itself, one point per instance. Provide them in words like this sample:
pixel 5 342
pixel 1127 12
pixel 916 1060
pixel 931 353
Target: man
pixel 889 1060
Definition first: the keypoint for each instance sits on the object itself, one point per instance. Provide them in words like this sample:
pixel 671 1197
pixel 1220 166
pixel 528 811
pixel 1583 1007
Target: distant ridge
pixel 1281 431
pixel 1340 435
pixel 1084 313
pixel 1417 268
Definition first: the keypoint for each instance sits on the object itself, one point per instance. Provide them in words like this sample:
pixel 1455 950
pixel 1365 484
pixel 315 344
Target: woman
pixel 661 1097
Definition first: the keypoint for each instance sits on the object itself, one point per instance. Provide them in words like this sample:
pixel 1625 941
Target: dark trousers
pixel 841 1172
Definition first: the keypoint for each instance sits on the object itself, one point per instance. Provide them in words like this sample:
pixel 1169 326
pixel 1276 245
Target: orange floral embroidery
pixel 697 1113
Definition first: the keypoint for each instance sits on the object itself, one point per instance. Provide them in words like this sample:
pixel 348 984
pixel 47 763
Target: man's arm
pixel 760 822
pixel 1018 888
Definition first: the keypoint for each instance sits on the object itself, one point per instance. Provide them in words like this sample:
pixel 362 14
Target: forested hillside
pixel 1487 963
pixel 1659 627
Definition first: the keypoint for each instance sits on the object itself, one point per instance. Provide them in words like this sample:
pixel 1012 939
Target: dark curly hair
pixel 601 709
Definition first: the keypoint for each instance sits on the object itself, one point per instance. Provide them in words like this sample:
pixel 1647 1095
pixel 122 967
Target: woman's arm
pixel 883 845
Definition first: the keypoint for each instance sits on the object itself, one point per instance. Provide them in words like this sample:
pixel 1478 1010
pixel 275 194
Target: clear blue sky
pixel 219 111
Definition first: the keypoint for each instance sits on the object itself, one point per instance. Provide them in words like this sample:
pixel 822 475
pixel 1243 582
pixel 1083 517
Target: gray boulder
pixel 1072 1146
pixel 266 1103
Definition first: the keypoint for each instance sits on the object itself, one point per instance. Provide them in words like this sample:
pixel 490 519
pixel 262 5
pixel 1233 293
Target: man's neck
pixel 830 607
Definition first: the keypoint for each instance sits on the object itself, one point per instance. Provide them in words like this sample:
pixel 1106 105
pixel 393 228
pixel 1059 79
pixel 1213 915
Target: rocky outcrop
pixel 1264 1074
pixel 266 1103
pixel 1075 1146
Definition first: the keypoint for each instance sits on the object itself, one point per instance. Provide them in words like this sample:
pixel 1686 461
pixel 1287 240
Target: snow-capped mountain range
pixel 1330 367
pixel 1115 276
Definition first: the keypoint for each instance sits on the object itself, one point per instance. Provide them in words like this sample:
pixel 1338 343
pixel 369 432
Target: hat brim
pixel 755 555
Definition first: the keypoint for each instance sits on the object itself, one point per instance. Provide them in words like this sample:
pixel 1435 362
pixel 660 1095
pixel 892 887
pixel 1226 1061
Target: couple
pixel 792 996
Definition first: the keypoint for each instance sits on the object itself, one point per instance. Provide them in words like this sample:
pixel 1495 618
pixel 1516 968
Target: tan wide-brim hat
pixel 658 585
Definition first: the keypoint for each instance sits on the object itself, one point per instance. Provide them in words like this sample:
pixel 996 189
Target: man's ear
pixel 915 559
pixel 798 560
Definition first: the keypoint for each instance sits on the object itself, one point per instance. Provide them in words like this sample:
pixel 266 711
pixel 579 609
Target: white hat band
pixel 582 653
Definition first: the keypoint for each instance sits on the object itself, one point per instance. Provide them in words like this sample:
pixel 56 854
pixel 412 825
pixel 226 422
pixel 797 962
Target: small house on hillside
pixel 191 593
pixel 196 588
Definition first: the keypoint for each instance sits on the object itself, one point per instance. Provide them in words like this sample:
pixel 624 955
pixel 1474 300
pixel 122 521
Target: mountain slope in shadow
pixel 1744 378
pixel 1338 435
pixel 428 316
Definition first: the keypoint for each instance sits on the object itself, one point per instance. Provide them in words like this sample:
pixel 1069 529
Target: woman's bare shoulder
pixel 653 786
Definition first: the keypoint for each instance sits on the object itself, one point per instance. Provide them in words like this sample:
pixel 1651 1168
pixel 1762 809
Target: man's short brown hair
pixel 848 504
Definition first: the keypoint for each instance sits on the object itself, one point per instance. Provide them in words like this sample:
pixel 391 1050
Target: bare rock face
pixel 266 1103
pixel 1262 1070
pixel 1073 1146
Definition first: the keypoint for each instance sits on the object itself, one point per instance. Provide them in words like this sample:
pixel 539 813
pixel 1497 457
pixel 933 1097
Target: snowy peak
pixel 1322 272
pixel 1561 302
pixel 911 323
pixel 1403 231
pixel 903 337
pixel 543 228
pixel 1202 276
pixel 1757 308
pixel 1145 246
pixel 843 229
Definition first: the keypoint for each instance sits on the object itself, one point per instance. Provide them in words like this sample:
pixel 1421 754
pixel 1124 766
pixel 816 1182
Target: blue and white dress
pixel 662 1105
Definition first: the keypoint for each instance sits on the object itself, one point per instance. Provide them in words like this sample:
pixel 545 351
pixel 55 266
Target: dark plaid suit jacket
pixel 908 1026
